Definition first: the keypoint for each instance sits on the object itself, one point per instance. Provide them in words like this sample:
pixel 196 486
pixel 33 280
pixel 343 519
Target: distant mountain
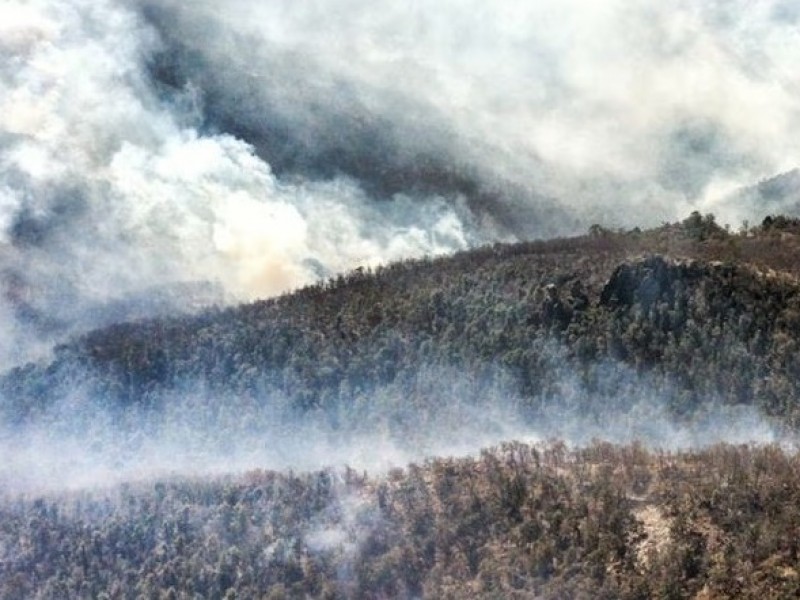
pixel 775 195
pixel 783 187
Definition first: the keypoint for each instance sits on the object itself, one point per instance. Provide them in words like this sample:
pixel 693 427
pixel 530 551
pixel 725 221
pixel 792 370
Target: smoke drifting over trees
pixel 266 144
pixel 564 338
pixel 250 250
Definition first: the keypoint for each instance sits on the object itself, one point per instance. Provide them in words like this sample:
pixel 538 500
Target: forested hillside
pixel 619 335
pixel 697 314
pixel 383 300
pixel 518 521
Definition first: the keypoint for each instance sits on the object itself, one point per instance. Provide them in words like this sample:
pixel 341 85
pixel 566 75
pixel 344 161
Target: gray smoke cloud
pixel 262 145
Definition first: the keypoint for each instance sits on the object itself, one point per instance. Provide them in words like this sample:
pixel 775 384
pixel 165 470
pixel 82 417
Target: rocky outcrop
pixel 647 282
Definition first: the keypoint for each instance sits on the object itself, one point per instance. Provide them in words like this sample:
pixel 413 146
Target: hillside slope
pixel 142 460
pixel 607 315
pixel 517 521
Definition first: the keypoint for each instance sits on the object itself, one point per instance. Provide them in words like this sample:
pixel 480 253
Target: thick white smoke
pixel 663 106
pixel 106 189
pixel 79 443
pixel 263 144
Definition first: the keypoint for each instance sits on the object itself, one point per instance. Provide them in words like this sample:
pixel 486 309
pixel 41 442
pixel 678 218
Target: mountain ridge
pixel 601 297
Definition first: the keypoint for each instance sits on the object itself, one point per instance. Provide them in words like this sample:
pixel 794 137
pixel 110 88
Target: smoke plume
pixel 263 145
pixel 82 442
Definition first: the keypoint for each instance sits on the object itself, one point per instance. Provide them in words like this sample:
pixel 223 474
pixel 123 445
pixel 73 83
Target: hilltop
pixel 677 308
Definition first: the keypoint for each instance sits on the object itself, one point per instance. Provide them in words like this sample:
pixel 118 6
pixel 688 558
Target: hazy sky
pixel 263 144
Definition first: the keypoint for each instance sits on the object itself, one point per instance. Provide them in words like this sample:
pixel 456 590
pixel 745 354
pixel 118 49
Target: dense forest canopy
pixel 597 522
pixel 358 299
pixel 677 308
pixel 212 454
